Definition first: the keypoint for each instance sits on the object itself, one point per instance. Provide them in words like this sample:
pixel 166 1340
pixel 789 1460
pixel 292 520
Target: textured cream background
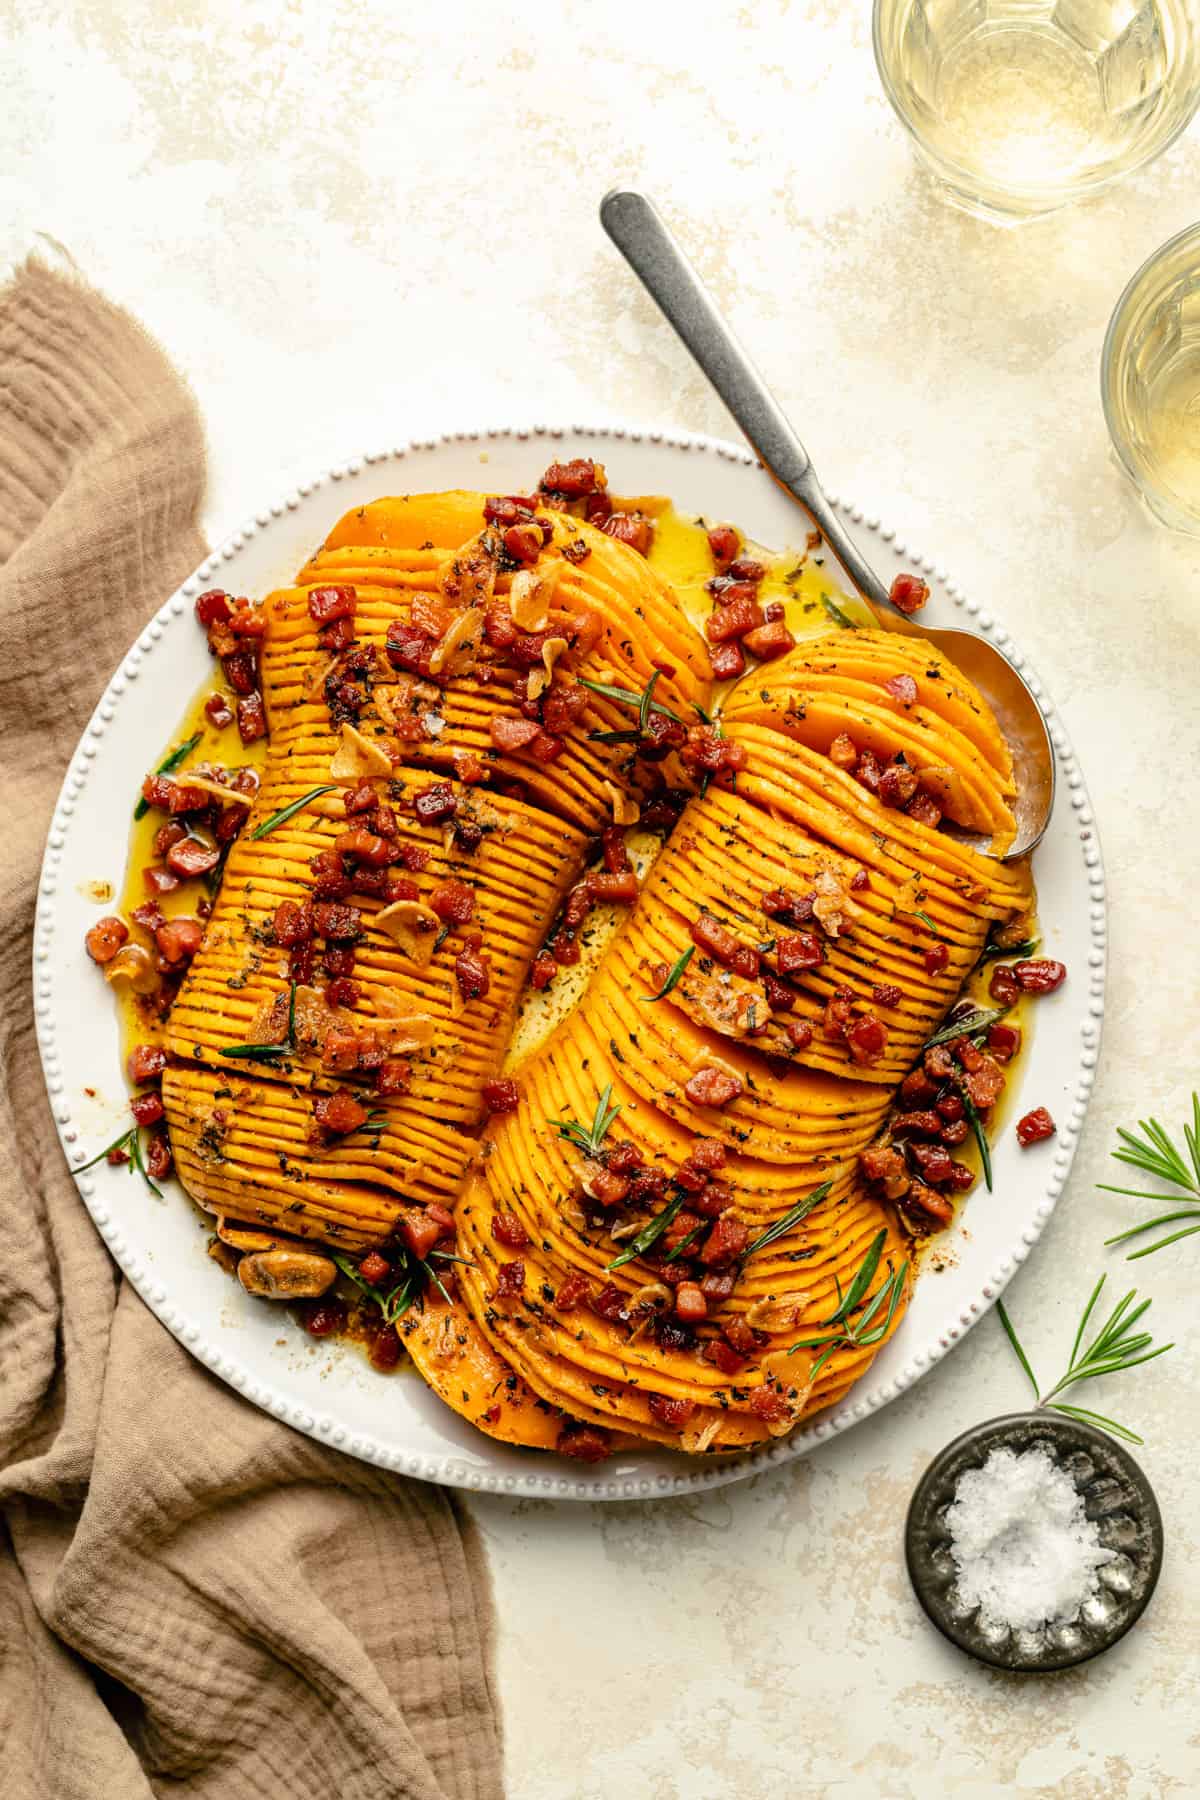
pixel 350 222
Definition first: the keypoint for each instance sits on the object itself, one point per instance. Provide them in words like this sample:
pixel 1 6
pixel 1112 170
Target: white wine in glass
pixel 1020 106
pixel 1150 381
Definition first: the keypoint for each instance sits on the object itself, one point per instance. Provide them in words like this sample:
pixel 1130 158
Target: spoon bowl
pixel 640 234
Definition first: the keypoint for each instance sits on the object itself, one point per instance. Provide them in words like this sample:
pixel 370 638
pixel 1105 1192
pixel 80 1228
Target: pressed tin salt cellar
pixel 1115 1495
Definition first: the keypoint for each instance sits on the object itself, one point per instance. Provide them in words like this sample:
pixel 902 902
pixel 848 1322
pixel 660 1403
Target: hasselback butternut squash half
pixel 678 1214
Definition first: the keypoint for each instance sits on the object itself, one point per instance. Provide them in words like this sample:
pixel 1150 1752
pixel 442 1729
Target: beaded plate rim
pixel 554 1477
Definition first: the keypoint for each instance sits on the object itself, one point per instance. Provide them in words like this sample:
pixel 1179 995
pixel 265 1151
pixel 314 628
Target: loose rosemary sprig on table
pixel 1116 1346
pixel 589 1139
pixel 1156 1153
pixel 131 1143
pixel 840 1330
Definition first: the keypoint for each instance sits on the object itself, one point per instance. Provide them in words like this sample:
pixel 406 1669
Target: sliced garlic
pixel 412 927
pixel 215 789
pixel 625 809
pixel 773 1315
pixel 697 1437
pixel 538 680
pixel 356 756
pixel 458 650
pixel 532 594
pixel 135 965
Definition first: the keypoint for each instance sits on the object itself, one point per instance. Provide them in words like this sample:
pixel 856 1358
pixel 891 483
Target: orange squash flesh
pixel 517 1365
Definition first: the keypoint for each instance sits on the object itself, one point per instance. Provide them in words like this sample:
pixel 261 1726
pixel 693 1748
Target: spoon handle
pixel 640 234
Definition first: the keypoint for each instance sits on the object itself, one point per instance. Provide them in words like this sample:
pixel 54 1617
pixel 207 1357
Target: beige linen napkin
pixel 193 1599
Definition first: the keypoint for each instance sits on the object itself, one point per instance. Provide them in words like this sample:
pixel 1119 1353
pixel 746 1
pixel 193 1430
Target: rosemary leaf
pixel 890 1291
pixel 967 1026
pixel 687 1242
pixel 1116 1347
pixel 792 1217
pixel 131 1142
pixel 647 702
pixel 898 1279
pixel 392 1304
pixel 1093 1418
pixel 1001 952
pixel 289 812
pixel 980 1136
pixel 676 971
pixel 627 697
pixel 135 1145
pixel 648 1235
pixel 1149 1249
pixel 590 1141
pixel 1152 1150
pixel 1015 1341
pixel 825 1355
pixel 862 1280
pixel 437 1281
pixel 836 614
pixel 118 1143
pixel 165 767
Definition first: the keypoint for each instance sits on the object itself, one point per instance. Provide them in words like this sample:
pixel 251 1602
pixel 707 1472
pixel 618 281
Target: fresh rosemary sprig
pixel 928 923
pixel 589 1140
pixel 968 1026
pixel 415 1274
pixel 289 812
pixel 1116 1346
pixel 131 1143
pixel 793 1216
pixel 270 1052
pixel 1158 1155
pixel 836 614
pixel 165 767
pixel 648 1235
pixel 840 1331
pixel 394 1304
pixel 643 703
pixel 673 977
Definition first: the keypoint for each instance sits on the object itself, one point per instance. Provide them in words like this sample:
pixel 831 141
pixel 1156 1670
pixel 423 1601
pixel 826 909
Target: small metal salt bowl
pixel 1115 1493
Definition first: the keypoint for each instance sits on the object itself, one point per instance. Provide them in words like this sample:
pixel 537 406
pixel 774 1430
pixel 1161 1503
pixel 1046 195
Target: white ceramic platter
pixel 331 1392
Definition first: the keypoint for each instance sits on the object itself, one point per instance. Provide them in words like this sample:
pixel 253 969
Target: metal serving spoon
pixel 638 231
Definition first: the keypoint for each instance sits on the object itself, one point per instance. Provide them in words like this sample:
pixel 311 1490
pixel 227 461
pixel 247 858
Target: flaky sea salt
pixel 1025 1552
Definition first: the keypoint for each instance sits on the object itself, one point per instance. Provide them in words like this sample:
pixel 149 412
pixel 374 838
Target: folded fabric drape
pixel 193 1599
